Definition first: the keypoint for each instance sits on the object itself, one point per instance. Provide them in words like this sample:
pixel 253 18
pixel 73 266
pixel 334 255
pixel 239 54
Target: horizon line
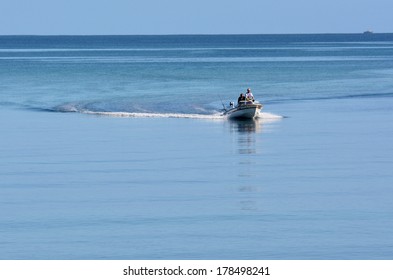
pixel 366 32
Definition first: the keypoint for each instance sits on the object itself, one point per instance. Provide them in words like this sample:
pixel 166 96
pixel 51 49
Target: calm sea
pixel 114 147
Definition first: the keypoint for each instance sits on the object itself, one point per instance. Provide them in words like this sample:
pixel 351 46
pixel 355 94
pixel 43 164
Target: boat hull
pixel 248 111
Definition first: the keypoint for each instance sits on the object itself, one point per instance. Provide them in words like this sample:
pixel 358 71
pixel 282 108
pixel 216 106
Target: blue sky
pixel 49 17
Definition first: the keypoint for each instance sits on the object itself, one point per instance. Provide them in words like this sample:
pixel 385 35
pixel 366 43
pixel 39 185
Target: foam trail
pixel 264 117
pixel 214 115
pixel 154 115
pixel 269 116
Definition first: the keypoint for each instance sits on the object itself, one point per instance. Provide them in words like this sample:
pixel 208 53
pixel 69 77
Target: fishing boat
pixel 244 110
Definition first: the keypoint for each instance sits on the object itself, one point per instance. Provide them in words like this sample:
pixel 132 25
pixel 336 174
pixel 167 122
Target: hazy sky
pixel 194 16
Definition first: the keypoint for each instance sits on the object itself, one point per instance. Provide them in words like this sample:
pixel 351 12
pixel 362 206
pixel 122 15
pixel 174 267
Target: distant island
pixel 368 32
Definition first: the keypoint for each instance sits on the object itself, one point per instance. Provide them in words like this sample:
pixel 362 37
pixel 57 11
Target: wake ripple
pixel 213 115
pixel 264 116
pixel 154 115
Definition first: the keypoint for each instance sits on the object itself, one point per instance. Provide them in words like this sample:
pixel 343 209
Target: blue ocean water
pixel 114 147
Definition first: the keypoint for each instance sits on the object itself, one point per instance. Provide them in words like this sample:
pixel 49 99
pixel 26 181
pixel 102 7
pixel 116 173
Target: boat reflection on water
pixel 246 145
pixel 249 160
pixel 245 125
pixel 246 130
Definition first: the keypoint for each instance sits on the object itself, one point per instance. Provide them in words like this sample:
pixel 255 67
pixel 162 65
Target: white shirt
pixel 249 95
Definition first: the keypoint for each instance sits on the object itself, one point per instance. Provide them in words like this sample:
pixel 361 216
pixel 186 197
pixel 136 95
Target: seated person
pixel 241 99
pixel 249 95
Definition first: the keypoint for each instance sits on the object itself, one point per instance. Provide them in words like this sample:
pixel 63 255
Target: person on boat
pixel 249 95
pixel 241 99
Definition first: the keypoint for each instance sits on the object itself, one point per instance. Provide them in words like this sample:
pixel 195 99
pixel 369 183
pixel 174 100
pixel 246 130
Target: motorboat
pixel 244 110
